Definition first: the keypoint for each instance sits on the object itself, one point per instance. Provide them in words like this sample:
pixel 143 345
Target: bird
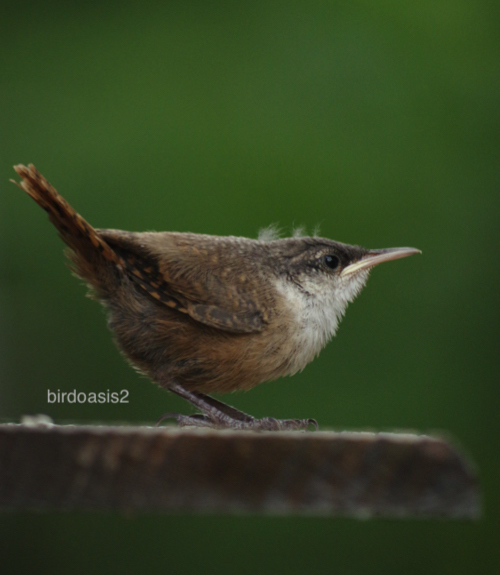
pixel 201 314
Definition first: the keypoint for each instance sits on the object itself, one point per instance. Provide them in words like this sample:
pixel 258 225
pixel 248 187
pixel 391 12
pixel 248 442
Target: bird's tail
pixel 91 255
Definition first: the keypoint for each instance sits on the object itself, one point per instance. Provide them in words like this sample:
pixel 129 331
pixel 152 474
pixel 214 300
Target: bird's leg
pixel 218 415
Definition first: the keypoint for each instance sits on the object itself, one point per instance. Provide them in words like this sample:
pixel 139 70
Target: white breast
pixel 317 313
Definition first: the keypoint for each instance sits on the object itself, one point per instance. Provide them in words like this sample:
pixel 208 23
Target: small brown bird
pixel 200 314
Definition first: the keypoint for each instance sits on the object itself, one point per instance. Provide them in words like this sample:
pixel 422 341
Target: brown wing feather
pixel 177 270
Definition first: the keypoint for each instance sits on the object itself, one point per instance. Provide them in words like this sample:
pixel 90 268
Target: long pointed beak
pixel 375 257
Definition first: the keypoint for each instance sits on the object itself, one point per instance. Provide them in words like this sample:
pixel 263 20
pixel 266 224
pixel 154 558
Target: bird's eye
pixel 331 261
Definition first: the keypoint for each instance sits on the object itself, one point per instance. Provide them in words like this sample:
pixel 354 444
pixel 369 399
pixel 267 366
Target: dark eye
pixel 331 261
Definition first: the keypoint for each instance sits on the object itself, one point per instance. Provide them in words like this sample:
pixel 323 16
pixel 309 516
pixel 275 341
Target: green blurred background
pixel 379 121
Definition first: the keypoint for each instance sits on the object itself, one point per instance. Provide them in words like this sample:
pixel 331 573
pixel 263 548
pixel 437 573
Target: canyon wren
pixel 203 314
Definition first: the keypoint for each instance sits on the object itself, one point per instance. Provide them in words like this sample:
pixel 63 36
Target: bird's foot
pixel 217 415
pixel 222 421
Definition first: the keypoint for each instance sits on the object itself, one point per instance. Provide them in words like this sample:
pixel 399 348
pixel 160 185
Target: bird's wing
pixel 178 272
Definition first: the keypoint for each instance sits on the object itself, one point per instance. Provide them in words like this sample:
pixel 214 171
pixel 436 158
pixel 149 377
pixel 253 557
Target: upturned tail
pixel 91 255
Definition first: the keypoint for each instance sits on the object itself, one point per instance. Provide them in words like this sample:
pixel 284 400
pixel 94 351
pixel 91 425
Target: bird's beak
pixel 375 257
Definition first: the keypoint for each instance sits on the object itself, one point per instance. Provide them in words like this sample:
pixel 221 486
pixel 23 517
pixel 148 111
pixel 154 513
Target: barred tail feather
pixel 90 250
